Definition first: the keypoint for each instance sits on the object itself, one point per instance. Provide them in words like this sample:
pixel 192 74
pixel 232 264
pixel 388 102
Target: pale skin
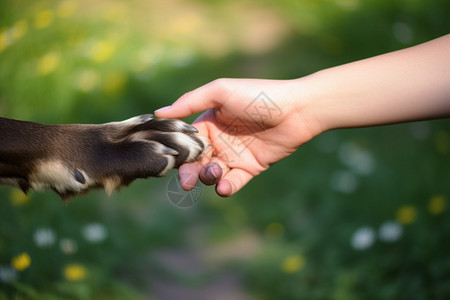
pixel 408 85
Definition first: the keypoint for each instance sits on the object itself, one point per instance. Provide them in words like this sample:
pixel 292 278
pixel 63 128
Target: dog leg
pixel 73 159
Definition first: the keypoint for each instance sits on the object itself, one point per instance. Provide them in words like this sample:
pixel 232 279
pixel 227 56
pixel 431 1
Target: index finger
pixel 205 97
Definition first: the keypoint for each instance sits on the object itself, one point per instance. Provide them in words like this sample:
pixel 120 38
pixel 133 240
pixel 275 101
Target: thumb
pixel 205 97
pixel 232 182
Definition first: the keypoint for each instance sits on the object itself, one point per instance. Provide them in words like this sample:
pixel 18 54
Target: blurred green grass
pixel 289 233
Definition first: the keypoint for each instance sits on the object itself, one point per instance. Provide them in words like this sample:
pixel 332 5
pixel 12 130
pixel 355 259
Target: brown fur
pixel 72 159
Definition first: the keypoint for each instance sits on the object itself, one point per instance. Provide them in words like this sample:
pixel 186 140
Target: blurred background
pixel 354 214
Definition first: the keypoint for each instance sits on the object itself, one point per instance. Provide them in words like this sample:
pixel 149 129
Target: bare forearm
pixel 406 85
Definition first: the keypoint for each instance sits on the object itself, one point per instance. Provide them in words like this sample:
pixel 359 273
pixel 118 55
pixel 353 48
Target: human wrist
pixel 308 104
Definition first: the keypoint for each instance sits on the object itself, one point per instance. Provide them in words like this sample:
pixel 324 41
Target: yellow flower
pixel 102 50
pixel 48 63
pixel 274 230
pixel 18 198
pixel 292 264
pixel 407 214
pixel 437 204
pixel 75 272
pixel 43 19
pixel 21 261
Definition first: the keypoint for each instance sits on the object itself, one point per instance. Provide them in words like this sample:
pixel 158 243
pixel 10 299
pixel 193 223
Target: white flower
pixel 7 274
pixel 94 232
pixel 44 237
pixel 390 231
pixel 363 238
pixel 344 181
pixel 357 159
pixel 68 246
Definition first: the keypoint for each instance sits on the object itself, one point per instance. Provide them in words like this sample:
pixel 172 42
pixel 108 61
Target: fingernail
pixel 163 109
pixel 187 181
pixel 210 173
pixel 214 171
pixel 224 188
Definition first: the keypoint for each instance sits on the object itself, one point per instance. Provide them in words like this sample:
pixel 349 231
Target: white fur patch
pixel 188 143
pixel 140 136
pixel 164 151
pixel 133 121
pixel 53 174
pixel 169 166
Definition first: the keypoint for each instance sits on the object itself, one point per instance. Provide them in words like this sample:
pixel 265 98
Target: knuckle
pixel 221 84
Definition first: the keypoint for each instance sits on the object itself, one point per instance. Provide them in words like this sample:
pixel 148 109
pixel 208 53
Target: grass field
pixel 353 214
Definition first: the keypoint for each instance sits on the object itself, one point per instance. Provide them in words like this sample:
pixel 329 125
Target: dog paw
pixel 114 154
pixel 169 142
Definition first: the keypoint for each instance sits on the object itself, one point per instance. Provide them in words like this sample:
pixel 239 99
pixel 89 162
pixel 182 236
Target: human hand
pixel 249 130
pixel 250 123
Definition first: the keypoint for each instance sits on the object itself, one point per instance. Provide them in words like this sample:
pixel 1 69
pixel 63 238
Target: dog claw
pixel 189 129
pixel 145 118
pixel 79 177
pixel 169 151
